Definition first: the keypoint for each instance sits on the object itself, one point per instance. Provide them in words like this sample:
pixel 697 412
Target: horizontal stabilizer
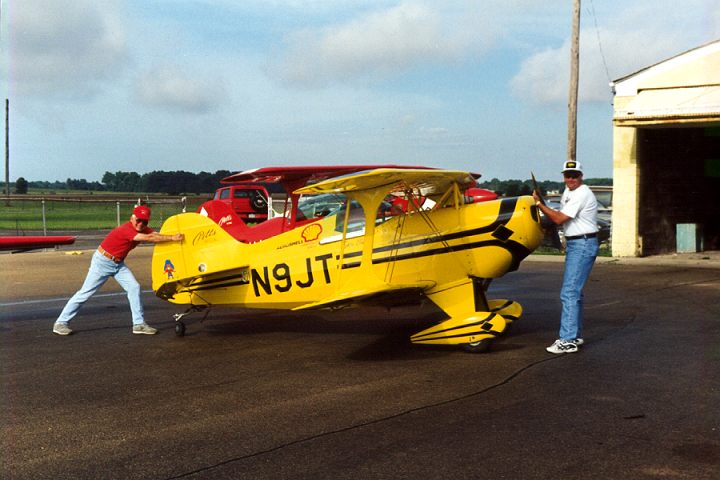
pixel 217 280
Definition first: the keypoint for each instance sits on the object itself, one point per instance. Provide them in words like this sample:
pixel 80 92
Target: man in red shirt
pixel 109 261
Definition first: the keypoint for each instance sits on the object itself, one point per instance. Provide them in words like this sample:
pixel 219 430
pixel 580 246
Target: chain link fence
pixel 20 214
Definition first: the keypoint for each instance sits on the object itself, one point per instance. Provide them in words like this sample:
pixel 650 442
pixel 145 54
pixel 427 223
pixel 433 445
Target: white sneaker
pixel 560 346
pixel 578 341
pixel 61 329
pixel 144 329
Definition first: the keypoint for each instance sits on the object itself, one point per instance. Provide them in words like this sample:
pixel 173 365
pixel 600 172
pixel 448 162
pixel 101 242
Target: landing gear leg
pixel 180 325
pixel 471 323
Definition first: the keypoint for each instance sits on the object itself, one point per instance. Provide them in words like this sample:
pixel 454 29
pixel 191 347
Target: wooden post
pixel 7 150
pixel 574 76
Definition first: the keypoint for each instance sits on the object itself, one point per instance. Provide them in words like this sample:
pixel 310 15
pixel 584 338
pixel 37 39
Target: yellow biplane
pixel 362 252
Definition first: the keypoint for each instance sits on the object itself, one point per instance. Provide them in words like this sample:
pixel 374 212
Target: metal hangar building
pixel 666 156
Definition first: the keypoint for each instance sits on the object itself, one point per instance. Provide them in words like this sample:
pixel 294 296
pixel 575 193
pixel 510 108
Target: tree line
pixel 182 182
pixel 514 188
pixel 172 183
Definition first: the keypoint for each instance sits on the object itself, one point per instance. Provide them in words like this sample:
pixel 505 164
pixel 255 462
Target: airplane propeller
pixel 548 225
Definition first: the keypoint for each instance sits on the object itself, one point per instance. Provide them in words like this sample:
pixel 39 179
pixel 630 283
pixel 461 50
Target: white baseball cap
pixel 572 166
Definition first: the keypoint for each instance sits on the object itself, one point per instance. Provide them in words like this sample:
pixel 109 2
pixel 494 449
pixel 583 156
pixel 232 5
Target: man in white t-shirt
pixel 578 216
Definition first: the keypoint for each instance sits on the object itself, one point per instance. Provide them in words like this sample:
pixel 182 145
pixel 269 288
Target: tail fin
pixel 223 215
pixel 207 252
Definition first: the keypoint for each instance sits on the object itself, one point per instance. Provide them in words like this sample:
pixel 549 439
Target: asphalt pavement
pixel 345 395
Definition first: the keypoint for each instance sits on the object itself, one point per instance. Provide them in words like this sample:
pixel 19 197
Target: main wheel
pixel 478 347
pixel 179 329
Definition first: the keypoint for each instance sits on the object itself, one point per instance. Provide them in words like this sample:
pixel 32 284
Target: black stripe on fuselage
pixel 510 246
pixel 221 282
pixel 194 288
pixel 507 208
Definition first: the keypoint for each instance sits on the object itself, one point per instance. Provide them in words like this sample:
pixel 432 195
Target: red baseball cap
pixel 142 212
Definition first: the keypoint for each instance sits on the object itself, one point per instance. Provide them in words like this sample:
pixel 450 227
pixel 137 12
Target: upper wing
pixel 302 175
pixel 392 180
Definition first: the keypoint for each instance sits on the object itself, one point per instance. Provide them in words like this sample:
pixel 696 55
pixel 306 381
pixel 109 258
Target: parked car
pixel 604 196
pixel 604 225
pixel 249 200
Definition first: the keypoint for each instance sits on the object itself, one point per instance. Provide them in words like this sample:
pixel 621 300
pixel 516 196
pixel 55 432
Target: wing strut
pixel 346 220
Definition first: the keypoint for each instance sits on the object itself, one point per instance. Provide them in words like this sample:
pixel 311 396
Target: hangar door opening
pixel 679 184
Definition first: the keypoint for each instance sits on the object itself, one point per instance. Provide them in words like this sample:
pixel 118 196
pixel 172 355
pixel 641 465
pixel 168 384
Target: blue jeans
pixel 579 260
pixel 101 269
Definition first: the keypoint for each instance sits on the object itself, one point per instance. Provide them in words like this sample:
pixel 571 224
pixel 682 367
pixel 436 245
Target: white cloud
pixel 544 77
pixel 640 36
pixel 65 49
pixel 379 44
pixel 170 88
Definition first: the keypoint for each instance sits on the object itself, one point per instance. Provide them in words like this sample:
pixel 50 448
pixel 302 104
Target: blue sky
pixel 207 85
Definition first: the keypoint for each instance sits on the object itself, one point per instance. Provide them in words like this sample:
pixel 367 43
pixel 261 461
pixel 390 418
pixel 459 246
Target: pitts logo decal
pixel 203 236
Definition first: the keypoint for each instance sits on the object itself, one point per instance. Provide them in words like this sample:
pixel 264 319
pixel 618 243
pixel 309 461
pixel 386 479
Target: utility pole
pixel 7 150
pixel 7 135
pixel 574 75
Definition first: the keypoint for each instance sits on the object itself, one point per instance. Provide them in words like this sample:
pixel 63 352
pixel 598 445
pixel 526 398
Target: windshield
pixel 327 204
pixel 313 206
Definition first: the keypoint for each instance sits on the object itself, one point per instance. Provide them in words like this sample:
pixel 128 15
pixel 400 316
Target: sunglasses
pixel 571 175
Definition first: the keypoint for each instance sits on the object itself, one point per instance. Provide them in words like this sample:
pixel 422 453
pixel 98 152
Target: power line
pixel 597 34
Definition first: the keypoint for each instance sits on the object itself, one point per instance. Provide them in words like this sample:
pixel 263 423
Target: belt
pixel 110 256
pixel 578 237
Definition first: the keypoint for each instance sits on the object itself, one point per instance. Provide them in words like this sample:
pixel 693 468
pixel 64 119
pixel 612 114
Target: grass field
pixel 21 215
pixel 92 213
